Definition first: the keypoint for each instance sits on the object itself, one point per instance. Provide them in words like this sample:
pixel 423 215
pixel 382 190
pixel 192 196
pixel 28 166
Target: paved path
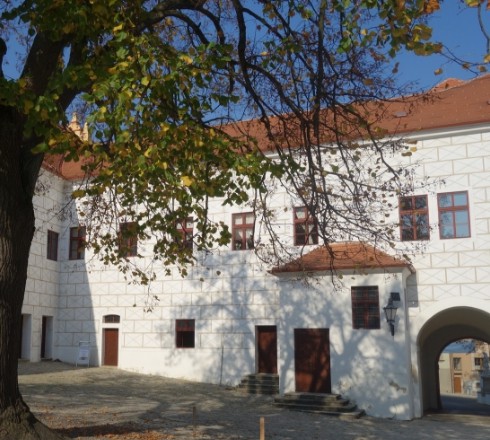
pixel 107 403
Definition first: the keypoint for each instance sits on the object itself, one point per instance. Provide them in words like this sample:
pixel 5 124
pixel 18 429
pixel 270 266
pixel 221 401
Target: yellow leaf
pixel 187 181
pixel 487 58
pixel 28 105
pixel 438 71
pixel 117 28
pixel 186 59
pixel 78 193
pixel 145 80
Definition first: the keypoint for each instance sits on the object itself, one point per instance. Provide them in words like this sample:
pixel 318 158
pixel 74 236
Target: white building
pixel 232 315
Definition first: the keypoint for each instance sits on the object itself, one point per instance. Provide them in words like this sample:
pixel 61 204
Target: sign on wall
pixel 83 357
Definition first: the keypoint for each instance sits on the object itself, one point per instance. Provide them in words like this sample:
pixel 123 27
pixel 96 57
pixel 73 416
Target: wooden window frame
pixel 244 229
pixel 414 219
pixel 305 228
pixel 77 243
pixel 52 245
pixel 186 230
pixel 185 333
pixel 365 307
pixel 128 239
pixel 454 209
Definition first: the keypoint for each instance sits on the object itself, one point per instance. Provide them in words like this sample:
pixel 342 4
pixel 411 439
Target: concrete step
pixel 329 404
pixel 260 384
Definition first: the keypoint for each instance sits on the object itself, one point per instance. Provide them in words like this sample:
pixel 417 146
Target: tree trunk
pixel 16 232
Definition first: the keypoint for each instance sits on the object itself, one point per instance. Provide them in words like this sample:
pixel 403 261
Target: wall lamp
pixel 390 313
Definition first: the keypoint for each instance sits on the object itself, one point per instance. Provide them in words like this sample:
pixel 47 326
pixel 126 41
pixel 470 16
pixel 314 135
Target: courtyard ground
pixel 108 403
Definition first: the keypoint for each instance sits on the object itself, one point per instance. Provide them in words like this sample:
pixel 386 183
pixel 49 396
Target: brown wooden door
pixel 457 384
pixel 312 360
pixel 111 344
pixel 267 349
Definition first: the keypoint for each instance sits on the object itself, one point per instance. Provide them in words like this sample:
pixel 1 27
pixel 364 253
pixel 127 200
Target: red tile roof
pixel 452 103
pixel 343 256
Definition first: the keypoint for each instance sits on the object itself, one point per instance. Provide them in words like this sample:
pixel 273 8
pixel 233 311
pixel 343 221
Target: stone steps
pixel 329 404
pixel 261 383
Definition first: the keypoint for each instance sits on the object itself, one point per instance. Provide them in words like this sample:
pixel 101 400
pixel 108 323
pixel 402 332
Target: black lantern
pixel 390 313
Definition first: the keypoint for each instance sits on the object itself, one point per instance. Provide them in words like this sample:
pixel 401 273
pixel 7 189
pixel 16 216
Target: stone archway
pixel 440 330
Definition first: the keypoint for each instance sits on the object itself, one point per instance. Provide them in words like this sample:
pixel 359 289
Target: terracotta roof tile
pixel 343 256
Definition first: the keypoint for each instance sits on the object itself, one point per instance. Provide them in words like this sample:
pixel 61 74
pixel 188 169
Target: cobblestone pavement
pixel 108 403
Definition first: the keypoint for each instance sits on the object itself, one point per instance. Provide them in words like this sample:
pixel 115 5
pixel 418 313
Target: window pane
pixel 406 203
pixel 460 199
pixel 250 218
pixel 406 221
pixel 446 219
pixel 238 220
pixel 421 202
pixel 445 200
pixel 300 213
pixel 462 231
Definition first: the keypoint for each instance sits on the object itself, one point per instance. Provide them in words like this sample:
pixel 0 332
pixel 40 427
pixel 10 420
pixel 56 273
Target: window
pixel 52 252
pixel 305 230
pixel 454 217
pixel 478 363
pixel 365 307
pixel 243 231
pixel 414 218
pixel 184 333
pixel 186 230
pixel 128 239
pixel 77 243
pixel 457 363
pixel 111 319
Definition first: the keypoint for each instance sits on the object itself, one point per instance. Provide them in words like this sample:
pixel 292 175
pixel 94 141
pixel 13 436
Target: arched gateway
pixel 442 328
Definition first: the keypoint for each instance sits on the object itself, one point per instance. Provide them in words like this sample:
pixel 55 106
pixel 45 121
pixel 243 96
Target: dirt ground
pixel 108 403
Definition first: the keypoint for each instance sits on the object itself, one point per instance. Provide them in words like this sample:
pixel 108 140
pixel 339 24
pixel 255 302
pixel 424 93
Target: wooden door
pixel 111 344
pixel 457 385
pixel 267 349
pixel 312 360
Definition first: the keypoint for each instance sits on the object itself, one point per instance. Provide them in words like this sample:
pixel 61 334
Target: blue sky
pixel 453 24
pixel 458 28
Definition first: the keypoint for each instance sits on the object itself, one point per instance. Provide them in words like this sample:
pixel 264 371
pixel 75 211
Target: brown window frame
pixel 128 239
pixel 77 243
pixel 185 333
pixel 414 218
pixel 186 230
pixel 245 241
pixel 305 228
pixel 365 307
pixel 453 210
pixel 52 245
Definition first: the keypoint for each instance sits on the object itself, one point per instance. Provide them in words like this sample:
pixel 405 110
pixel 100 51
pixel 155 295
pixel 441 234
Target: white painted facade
pixel 229 293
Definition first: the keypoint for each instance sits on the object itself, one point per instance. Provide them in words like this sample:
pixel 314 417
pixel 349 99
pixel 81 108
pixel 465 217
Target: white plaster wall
pixel 41 294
